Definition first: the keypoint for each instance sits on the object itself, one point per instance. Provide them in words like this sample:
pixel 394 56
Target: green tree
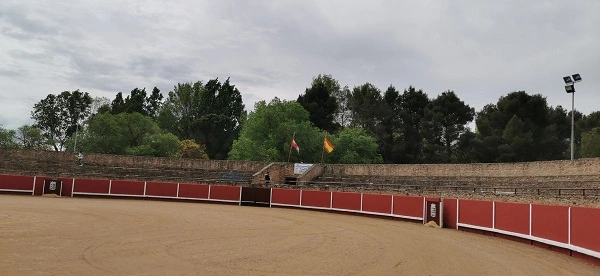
pixel 354 146
pixel 31 137
pixel 412 111
pixel 366 105
pixel 116 134
pixel 59 116
pixel 211 114
pixel 343 114
pixel 158 145
pixel 138 101
pixel 267 134
pixel 590 143
pixel 190 149
pixel 8 138
pixel 445 120
pixel 546 125
pixel 320 102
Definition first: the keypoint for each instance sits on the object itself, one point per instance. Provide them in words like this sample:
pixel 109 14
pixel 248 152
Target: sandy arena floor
pixel 91 236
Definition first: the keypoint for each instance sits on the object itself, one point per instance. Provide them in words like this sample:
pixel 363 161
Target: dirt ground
pixel 92 236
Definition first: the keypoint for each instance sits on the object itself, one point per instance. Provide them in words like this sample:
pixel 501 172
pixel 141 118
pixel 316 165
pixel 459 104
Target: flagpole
pixel 290 151
pixel 323 150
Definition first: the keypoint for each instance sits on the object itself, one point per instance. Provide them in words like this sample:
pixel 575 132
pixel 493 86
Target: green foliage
pixel 444 122
pixel 58 116
pixel 128 133
pixel 590 143
pixel 267 134
pixel 353 146
pixel 320 102
pixel 210 114
pixel 412 111
pixel 8 139
pixel 158 145
pixel 366 106
pixel 31 137
pixel 138 101
pixel 190 149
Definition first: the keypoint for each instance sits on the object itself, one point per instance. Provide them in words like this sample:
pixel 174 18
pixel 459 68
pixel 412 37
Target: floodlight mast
pixel 570 88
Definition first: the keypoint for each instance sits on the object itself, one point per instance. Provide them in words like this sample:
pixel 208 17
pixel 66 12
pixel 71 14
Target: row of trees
pixel 207 120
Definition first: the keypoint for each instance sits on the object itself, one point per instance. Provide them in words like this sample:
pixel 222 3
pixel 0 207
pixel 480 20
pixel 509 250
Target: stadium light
pixel 570 88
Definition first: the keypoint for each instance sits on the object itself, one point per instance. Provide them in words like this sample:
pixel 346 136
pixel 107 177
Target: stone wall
pixel 564 173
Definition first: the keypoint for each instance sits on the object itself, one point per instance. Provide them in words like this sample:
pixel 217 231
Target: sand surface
pixel 92 236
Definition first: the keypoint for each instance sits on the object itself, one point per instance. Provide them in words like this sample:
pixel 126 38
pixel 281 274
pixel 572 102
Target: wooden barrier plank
pixel 285 197
pixel 585 228
pixel 376 203
pixel 346 201
pixel 316 199
pixel 550 222
pixel 409 206
pixel 16 182
pixel 450 212
pixel 124 187
pixel 161 189
pixel 199 191
pixel 91 186
pixel 475 212
pixel 512 217
pixel 229 193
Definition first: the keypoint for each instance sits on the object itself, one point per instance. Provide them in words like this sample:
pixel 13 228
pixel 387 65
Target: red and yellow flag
pixel 328 145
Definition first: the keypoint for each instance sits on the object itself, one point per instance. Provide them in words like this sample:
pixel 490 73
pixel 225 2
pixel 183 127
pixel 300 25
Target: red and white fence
pixel 571 230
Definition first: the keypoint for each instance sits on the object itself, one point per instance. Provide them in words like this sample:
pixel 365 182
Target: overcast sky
pixel 479 49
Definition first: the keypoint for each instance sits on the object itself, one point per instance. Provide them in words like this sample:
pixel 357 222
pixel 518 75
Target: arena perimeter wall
pixel 570 230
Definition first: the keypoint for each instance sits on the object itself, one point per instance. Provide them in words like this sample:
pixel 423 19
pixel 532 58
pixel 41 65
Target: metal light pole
pixel 570 88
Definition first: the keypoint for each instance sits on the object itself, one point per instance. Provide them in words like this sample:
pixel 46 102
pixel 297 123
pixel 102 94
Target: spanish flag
pixel 328 145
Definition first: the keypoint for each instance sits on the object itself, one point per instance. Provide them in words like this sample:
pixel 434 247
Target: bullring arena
pixel 80 224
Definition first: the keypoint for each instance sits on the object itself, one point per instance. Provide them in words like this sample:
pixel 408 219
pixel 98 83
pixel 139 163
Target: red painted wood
pixel 550 222
pixel 165 189
pixel 475 212
pixel 67 184
pixel 16 182
pixel 199 191
pixel 411 206
pixel 285 196
pixel 449 215
pixel 377 203
pixel 93 186
pixel 585 228
pixel 219 192
pixel 316 198
pixel 124 187
pixel 346 201
pixel 512 217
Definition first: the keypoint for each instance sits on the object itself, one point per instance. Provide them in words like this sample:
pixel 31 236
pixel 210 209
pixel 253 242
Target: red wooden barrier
pixel 550 222
pixel 162 189
pixel 285 196
pixel 199 191
pixel 377 203
pixel 450 212
pixel 92 186
pixel 346 201
pixel 67 186
pixel 316 199
pixel 16 182
pixel 39 185
pixel 409 206
pixel 122 187
pixel 585 228
pixel 512 217
pixel 475 212
pixel 218 192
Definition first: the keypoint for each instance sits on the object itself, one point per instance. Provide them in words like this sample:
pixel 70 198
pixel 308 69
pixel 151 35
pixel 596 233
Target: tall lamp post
pixel 570 88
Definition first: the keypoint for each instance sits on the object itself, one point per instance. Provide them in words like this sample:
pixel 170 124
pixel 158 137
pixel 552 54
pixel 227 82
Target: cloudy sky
pixel 480 49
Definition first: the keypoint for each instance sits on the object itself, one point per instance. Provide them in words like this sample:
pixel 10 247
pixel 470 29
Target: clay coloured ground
pixel 92 236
